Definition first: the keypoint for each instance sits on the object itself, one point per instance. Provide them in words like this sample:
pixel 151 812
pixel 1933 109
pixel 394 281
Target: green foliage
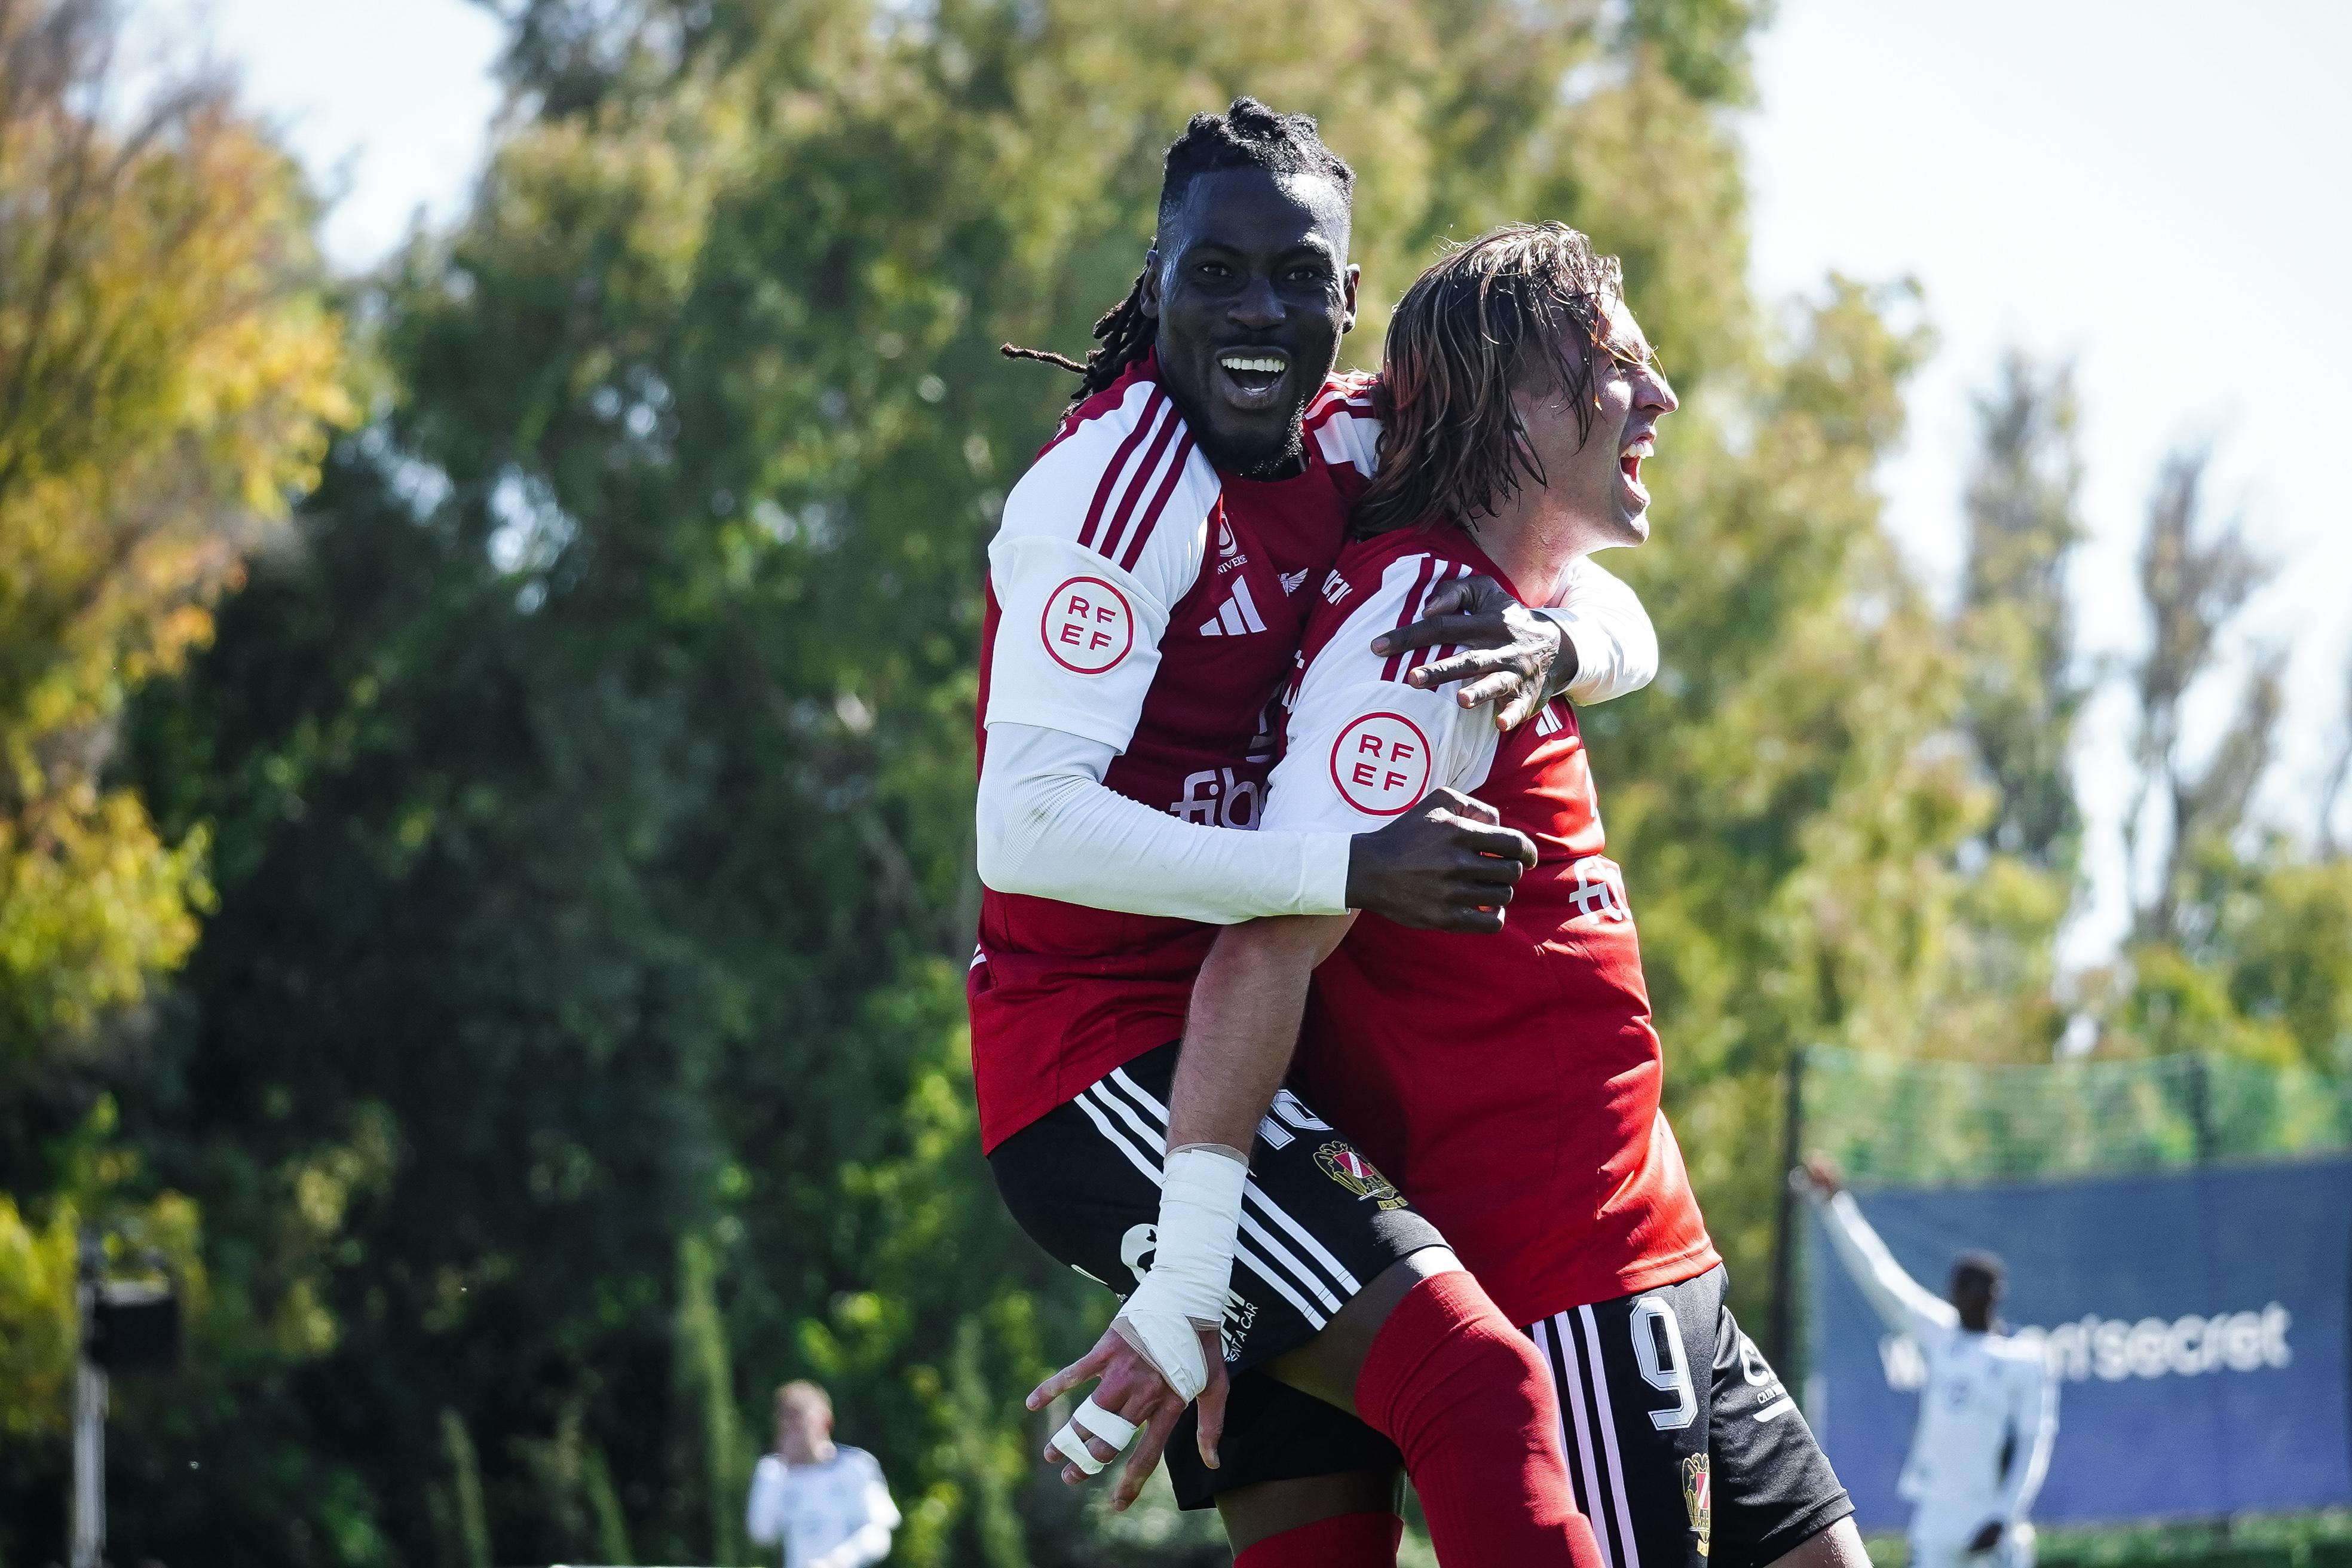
pixel 167 374
pixel 2016 625
pixel 164 377
pixel 2289 945
pixel 1920 1123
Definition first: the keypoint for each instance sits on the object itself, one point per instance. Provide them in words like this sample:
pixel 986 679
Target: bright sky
pixel 2157 188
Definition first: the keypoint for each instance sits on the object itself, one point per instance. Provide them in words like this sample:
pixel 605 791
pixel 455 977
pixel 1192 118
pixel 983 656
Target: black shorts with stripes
pixel 1317 1224
pixel 1685 1449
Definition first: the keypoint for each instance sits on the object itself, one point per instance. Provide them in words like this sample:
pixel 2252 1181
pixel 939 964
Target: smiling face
pixel 1596 474
pixel 1251 286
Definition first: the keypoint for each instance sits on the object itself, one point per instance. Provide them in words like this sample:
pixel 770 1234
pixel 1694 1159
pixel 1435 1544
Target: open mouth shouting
pixel 1252 379
pixel 1629 464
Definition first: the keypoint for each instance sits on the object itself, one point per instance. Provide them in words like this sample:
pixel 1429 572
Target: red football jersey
pixel 1139 597
pixel 1510 1084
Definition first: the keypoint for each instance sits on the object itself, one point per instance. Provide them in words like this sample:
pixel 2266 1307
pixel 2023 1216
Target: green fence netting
pixel 1895 1122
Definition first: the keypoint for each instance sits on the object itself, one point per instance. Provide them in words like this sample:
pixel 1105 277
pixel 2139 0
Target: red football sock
pixel 1467 1400
pixel 1345 1541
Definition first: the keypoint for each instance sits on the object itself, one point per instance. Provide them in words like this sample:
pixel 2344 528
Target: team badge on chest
pixel 1358 1174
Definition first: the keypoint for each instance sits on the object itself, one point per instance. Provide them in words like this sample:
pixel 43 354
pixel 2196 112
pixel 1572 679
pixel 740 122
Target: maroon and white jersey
pixel 1140 599
pixel 1509 1083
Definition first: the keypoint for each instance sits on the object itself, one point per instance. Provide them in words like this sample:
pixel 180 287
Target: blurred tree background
pixel 485 865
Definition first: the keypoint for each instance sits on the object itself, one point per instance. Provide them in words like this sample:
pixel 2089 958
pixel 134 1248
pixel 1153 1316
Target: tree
pixel 168 372
pixel 2193 585
pixel 2016 624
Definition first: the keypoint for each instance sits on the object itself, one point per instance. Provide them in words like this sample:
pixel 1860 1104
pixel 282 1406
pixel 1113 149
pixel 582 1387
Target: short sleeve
pixel 1342 426
pixel 1360 746
pixel 1100 539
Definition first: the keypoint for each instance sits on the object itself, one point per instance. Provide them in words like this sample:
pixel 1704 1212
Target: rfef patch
pixel 1087 626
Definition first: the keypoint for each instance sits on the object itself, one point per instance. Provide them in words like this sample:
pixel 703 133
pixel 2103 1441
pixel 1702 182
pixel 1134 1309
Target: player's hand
pixel 1131 1388
pixel 1821 1172
pixel 1510 656
pixel 1448 864
pixel 1988 1538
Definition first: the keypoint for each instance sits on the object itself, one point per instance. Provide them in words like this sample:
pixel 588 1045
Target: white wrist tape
pixel 1192 1264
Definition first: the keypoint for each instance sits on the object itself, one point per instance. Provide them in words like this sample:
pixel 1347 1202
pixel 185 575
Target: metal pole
pixel 88 1421
pixel 1784 1241
pixel 2200 1106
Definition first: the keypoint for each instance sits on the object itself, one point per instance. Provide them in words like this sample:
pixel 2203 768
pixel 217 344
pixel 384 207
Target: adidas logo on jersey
pixel 1238 615
pixel 1336 588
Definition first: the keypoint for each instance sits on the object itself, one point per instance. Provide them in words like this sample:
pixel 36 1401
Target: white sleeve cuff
pixel 1323 881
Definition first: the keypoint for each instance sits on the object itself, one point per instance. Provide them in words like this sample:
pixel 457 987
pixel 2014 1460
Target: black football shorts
pixel 1685 1449
pixel 1318 1223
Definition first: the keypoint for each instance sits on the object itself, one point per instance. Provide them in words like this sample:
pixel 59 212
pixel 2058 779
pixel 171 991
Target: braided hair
pixel 1247 135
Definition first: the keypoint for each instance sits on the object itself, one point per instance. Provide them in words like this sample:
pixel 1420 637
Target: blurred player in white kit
pixel 825 1501
pixel 1988 1411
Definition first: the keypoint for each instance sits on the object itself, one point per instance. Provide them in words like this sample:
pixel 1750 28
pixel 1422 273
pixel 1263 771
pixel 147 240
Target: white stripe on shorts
pixel 1335 1273
pixel 1556 1338
pixel 1570 1343
pixel 1267 1245
pixel 1150 1166
pixel 1608 1429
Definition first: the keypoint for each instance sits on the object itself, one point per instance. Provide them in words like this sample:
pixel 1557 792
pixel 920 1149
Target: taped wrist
pixel 1192 1264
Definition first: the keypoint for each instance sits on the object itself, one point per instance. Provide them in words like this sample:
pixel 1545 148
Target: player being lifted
pixel 1509 1083
pixel 1147 593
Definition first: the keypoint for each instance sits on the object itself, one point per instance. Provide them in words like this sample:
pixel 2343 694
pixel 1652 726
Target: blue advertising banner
pixel 2197 1323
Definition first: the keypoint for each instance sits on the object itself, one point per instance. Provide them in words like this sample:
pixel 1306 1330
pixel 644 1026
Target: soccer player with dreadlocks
pixel 1509 1085
pixel 1148 589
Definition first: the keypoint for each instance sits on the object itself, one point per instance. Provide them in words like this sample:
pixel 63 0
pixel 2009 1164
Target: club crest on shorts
pixel 1698 1498
pixel 1358 1174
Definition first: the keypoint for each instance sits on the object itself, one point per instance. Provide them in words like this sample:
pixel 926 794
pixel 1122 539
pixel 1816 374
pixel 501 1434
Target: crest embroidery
pixel 1699 1498
pixel 1358 1174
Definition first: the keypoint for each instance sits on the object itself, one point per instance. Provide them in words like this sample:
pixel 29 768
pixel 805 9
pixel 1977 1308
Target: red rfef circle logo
pixel 1381 763
pixel 1087 626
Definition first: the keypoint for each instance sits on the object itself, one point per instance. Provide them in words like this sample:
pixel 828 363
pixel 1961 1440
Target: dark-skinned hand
pixel 1447 864
pixel 1509 656
pixel 1131 1387
pixel 1988 1538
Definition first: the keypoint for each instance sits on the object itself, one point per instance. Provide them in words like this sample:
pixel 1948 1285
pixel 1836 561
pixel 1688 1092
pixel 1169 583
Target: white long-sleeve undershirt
pixel 1047 826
